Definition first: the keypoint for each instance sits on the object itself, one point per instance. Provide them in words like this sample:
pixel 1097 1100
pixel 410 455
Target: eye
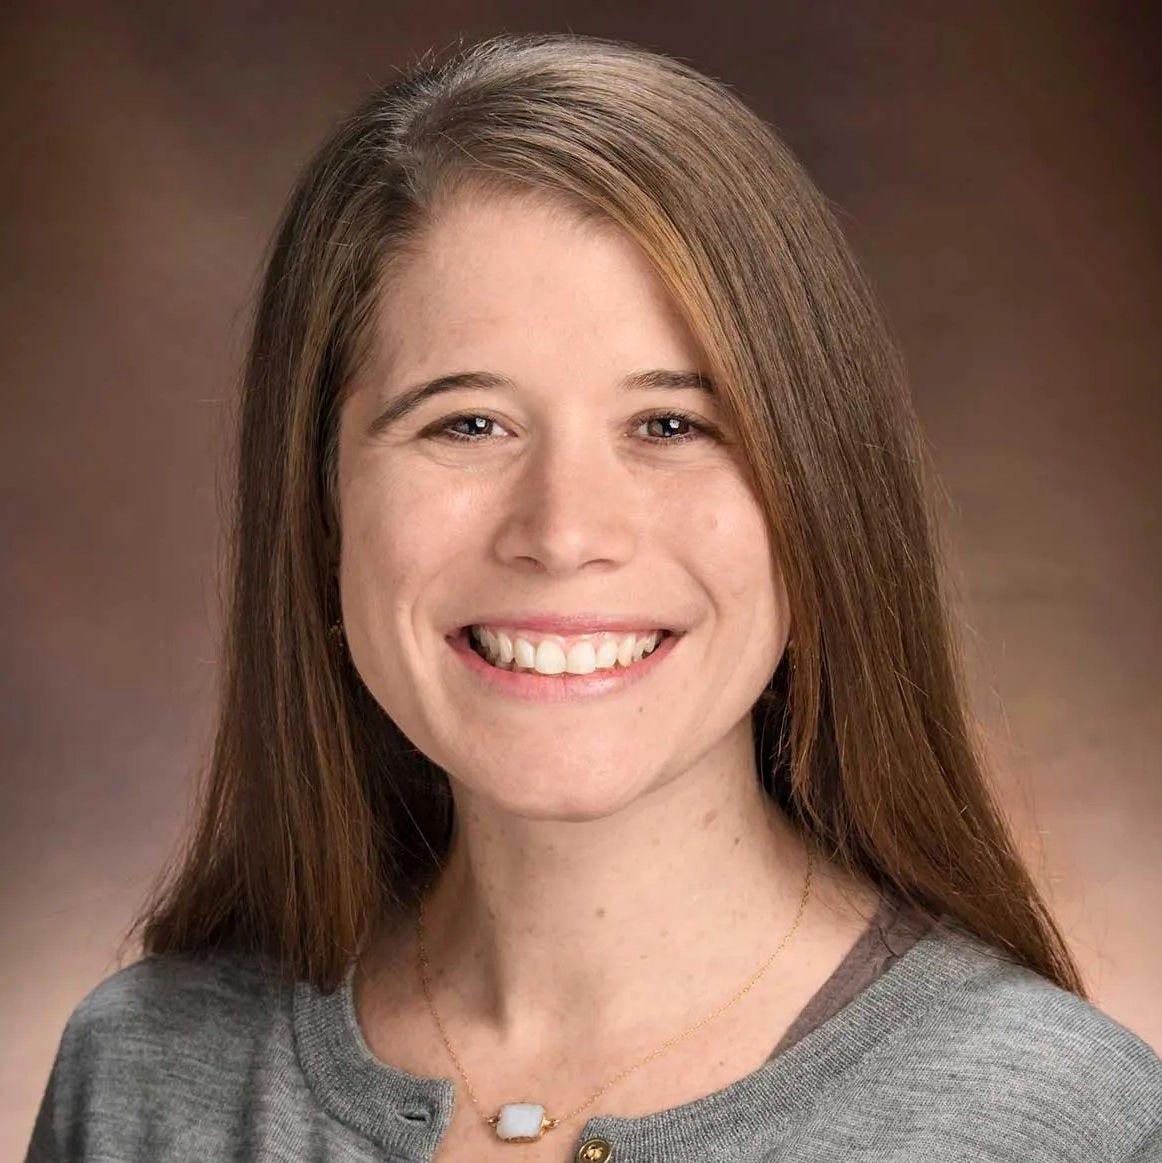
pixel 474 427
pixel 669 428
pixel 671 425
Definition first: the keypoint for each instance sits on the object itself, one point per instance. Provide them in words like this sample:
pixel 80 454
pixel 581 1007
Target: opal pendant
pixel 521 1122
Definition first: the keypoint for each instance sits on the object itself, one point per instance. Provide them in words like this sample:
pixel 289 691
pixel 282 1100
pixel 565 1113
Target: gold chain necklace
pixel 525 1122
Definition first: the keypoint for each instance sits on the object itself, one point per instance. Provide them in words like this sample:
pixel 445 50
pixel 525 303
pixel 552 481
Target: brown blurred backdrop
pixel 997 165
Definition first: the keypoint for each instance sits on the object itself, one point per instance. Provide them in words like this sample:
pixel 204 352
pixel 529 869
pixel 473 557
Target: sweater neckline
pixel 407 1115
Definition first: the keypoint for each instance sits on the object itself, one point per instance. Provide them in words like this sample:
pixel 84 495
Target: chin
pixel 571 795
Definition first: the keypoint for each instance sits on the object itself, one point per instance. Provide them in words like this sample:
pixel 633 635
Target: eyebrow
pixel 409 400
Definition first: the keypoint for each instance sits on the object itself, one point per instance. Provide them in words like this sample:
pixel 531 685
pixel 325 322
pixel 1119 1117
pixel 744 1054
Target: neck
pixel 538 931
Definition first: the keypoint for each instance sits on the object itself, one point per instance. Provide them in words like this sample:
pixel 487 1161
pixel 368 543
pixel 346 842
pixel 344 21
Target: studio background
pixel 997 168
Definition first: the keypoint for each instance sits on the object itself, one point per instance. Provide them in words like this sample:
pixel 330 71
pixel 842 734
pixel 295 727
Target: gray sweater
pixel 951 1054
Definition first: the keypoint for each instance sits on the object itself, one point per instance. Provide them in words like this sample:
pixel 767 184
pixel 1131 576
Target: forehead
pixel 516 276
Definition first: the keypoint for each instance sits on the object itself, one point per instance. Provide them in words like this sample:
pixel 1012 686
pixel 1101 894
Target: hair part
pixel 316 812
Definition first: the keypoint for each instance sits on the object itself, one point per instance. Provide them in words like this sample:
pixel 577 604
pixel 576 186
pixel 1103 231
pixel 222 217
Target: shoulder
pixel 1009 1014
pixel 1033 1059
pixel 178 997
pixel 166 1043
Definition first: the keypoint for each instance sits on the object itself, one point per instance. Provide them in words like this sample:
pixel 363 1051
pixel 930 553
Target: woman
pixel 587 660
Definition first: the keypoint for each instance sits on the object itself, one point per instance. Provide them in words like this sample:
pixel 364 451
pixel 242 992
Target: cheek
pixel 727 534
pixel 387 549
pixel 375 537
pixel 398 526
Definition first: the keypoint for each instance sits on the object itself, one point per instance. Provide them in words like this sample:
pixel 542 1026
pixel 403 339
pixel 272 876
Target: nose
pixel 570 504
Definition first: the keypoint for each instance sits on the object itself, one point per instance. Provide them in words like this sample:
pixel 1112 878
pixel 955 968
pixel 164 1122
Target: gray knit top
pixel 948 1053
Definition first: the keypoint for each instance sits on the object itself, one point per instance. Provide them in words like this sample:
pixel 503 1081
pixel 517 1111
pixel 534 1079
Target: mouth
pixel 534 667
pixel 511 649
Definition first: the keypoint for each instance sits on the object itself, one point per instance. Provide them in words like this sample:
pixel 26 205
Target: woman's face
pixel 563 507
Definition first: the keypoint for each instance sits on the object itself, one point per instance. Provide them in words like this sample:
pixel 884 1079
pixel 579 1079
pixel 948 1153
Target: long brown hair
pixel 316 811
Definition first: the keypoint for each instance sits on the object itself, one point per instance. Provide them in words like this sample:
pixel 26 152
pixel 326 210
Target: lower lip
pixel 559 688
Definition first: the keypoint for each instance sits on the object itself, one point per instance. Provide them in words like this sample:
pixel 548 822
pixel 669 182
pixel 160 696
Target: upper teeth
pixel 550 654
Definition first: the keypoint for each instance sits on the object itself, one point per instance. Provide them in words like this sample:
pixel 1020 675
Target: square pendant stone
pixel 520 1122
